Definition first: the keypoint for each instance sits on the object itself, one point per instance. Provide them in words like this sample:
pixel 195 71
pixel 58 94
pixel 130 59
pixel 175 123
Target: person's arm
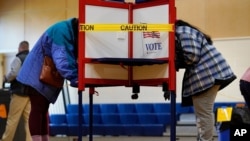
pixel 191 48
pixel 14 69
pixel 66 64
pixel 63 52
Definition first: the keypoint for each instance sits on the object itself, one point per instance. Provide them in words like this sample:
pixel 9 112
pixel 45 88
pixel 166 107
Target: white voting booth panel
pixel 115 44
pixel 148 44
pixel 106 44
pixel 151 45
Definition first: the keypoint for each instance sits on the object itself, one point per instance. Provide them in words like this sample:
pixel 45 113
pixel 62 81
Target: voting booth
pixel 127 44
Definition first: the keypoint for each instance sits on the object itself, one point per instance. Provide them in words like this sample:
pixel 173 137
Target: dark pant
pixel 245 91
pixel 38 119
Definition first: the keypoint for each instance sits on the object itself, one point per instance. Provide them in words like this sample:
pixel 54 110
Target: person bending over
pixel 206 72
pixel 59 42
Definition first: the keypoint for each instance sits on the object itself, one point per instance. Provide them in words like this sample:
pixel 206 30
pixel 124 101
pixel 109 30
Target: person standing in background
pixel 245 86
pixel 59 42
pixel 20 102
pixel 206 72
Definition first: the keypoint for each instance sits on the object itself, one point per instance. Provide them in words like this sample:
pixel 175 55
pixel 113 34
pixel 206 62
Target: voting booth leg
pixel 91 92
pixel 80 115
pixel 173 116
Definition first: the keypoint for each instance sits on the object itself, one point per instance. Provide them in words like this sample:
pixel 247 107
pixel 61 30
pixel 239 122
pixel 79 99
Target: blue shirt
pixel 207 66
pixel 58 42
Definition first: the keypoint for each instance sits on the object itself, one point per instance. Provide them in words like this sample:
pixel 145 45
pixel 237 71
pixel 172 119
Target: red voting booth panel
pixel 126 58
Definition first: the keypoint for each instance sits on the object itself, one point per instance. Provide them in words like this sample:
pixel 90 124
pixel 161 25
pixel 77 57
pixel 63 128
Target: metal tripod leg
pixel 173 116
pixel 80 115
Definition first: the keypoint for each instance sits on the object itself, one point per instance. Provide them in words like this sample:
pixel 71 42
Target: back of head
pixel 183 23
pixel 24 45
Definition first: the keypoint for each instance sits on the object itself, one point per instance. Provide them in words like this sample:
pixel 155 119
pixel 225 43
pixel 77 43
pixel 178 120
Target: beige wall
pixel 27 19
pixel 219 18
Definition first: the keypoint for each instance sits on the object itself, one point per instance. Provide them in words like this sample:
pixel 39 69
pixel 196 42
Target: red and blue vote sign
pixel 152 43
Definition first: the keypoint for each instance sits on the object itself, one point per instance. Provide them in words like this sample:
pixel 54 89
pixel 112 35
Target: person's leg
pixel 245 91
pixel 203 108
pixel 26 114
pixel 38 121
pixel 45 137
pixel 45 130
pixel 36 138
pixel 15 111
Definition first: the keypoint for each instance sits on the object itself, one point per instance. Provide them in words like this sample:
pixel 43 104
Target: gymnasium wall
pixel 27 19
pixel 227 22
pixel 219 18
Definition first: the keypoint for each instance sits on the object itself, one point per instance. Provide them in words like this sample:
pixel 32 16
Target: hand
pixel 167 95
pixel 74 84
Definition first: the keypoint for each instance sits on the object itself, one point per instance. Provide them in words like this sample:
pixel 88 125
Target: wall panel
pixel 27 19
pixel 72 8
pixel 11 24
pixel 39 15
pixel 192 11
pixel 228 18
pixel 218 18
pixel 37 22
pixel 11 5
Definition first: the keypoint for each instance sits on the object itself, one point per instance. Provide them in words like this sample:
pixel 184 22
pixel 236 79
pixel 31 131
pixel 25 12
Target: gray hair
pixel 24 45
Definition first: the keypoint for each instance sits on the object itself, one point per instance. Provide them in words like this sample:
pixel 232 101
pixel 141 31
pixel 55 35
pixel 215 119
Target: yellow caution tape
pixel 126 27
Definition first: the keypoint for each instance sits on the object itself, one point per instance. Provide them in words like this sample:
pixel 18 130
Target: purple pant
pixel 38 119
